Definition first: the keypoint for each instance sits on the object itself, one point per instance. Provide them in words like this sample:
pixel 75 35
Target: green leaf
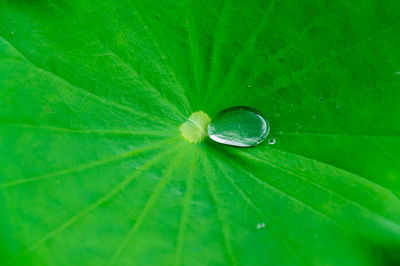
pixel 93 167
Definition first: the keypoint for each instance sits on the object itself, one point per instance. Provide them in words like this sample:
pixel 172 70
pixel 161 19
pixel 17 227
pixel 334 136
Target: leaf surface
pixel 94 171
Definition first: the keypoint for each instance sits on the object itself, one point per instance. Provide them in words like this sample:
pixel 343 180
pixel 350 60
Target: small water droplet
pixel 337 106
pixel 291 105
pixel 314 116
pixel 260 225
pixel 271 141
pixel 12 32
pixel 249 86
pixel 239 126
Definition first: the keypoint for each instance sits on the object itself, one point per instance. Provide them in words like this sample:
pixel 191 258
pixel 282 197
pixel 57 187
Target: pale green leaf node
pixel 194 129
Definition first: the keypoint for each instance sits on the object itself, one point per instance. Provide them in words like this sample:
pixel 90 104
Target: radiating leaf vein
pixel 156 192
pixel 101 201
pixel 221 217
pixel 86 166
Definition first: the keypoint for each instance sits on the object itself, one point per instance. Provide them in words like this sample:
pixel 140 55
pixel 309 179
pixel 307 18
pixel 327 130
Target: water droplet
pixel 249 86
pixel 260 225
pixel 239 126
pixel 271 141
pixel 12 32
pixel 337 106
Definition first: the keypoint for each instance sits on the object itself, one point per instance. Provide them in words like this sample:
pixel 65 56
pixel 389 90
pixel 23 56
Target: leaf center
pixel 195 128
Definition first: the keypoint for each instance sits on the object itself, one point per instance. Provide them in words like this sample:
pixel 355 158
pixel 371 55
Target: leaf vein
pixel 150 202
pixel 84 166
pixel 98 203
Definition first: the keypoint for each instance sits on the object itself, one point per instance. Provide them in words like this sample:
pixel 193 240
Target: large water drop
pixel 239 126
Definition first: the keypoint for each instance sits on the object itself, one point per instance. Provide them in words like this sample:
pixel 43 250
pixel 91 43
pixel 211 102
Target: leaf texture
pixel 94 171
